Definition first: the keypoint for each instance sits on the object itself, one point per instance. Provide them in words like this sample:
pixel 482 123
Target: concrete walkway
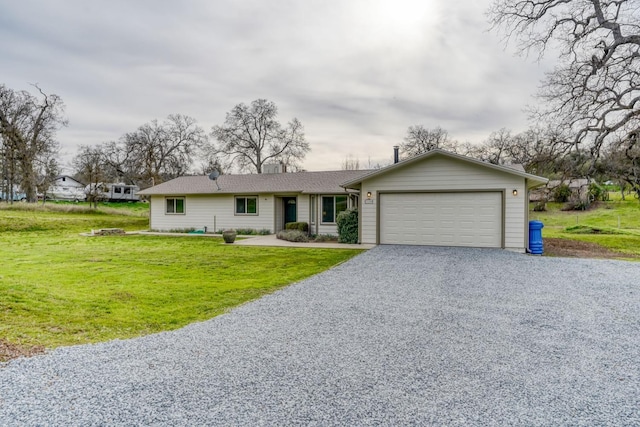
pixel 272 240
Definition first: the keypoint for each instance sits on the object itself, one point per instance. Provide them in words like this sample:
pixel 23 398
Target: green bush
pixel 540 206
pixel 320 238
pixel 246 231
pixel 596 192
pixel 251 231
pixel 562 193
pixel 300 226
pixel 292 236
pixel 348 226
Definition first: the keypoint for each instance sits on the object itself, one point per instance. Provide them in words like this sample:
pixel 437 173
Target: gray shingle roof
pixel 297 182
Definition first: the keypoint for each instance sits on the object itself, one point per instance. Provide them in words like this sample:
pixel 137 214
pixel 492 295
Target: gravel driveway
pixel 397 335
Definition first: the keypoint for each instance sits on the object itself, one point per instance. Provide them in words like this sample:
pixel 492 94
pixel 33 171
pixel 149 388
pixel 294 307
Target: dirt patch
pixel 10 351
pixel 579 249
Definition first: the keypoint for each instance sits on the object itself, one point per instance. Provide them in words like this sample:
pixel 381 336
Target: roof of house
pixel 534 180
pixel 296 182
pixel 68 178
pixel 571 182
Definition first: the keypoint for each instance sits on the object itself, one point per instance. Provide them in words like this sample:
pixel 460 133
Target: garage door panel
pixel 443 219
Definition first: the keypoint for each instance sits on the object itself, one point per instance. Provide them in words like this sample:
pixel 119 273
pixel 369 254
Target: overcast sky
pixel 356 73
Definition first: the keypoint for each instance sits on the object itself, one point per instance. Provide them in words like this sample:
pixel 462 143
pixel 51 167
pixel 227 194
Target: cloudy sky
pixel 356 73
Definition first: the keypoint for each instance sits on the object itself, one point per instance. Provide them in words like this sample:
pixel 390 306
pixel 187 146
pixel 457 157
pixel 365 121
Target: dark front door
pixel 290 210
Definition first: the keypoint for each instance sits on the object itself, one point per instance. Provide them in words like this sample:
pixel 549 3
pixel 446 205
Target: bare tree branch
pixel 594 92
pixel 28 126
pixel 251 137
pixel 420 140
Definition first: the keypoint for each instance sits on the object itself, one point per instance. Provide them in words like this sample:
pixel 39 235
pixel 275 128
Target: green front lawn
pixel 614 225
pixel 60 288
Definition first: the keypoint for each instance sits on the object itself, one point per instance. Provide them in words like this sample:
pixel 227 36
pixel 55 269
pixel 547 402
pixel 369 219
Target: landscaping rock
pixel 109 232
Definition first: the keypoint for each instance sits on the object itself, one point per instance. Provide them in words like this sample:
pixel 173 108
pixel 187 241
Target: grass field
pixel 60 288
pixel 614 224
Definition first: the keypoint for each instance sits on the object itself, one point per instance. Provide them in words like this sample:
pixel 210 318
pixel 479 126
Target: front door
pixel 290 210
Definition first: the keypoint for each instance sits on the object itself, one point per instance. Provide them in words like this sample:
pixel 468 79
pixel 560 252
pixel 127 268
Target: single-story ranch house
pixel 437 198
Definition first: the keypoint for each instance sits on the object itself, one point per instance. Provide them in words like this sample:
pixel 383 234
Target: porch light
pixel 515 192
pixel 368 194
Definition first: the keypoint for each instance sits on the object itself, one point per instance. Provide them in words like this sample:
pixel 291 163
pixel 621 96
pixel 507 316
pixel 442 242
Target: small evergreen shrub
pixel 348 226
pixel 562 193
pixel 250 231
pixel 292 236
pixel 596 192
pixel 320 238
pixel 300 226
pixel 246 231
pixel 174 230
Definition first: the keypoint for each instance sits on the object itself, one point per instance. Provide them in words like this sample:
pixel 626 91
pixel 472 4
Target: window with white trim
pixel 331 207
pixel 313 209
pixel 247 205
pixel 174 205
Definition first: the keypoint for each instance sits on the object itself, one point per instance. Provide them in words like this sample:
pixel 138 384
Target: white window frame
pixel 335 214
pixel 166 205
pixel 314 210
pixel 235 205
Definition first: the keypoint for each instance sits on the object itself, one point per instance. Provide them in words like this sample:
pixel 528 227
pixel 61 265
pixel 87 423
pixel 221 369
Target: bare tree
pixel 539 151
pixel 497 148
pixel 90 166
pixel 209 162
pixel 28 125
pixel 121 162
pixel 377 165
pixel 351 163
pixel 420 140
pixel 160 151
pixel 49 171
pixel 595 89
pixel 251 136
pixel 622 162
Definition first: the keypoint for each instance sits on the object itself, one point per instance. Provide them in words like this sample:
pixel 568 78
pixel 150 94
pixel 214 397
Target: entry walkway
pixel 272 240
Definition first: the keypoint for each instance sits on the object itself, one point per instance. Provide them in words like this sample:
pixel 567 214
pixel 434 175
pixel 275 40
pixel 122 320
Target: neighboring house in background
pixel 65 187
pixel 436 198
pixel 579 189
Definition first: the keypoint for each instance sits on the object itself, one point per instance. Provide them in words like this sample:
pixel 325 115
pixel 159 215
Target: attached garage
pixel 444 199
pixel 442 219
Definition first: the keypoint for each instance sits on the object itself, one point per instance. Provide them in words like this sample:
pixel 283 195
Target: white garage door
pixel 442 219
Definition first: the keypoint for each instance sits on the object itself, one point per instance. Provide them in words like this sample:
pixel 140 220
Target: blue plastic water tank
pixel 536 246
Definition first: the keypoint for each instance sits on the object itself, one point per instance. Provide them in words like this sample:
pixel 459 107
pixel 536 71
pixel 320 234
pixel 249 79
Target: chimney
pixel 396 155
